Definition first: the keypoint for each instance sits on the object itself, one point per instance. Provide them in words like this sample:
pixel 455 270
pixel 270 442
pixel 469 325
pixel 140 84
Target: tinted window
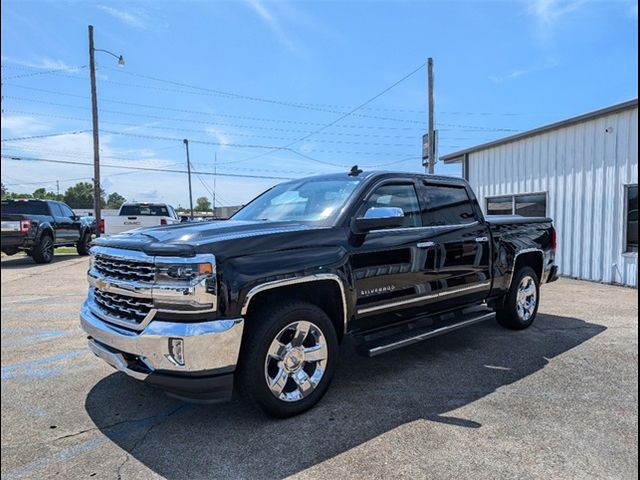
pixel 66 210
pixel 56 211
pixel 401 196
pixel 25 208
pixel 500 206
pixel 145 210
pixel 632 218
pixel 447 205
pixel 534 205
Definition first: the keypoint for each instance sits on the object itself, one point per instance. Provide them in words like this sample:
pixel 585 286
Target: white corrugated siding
pixel 584 170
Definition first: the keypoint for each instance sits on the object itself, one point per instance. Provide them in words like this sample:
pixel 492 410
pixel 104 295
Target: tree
pixel 203 204
pixel 43 194
pixel 4 189
pixel 115 200
pixel 81 196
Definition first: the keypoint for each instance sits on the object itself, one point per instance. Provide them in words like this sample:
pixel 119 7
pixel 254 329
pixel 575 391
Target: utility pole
pixel 432 133
pixel 96 141
pixel 186 144
pixel 58 187
pixel 94 117
pixel 215 168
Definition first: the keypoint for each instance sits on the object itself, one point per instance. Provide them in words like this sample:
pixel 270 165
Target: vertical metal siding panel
pixel 596 251
pixel 557 197
pixel 608 225
pixel 575 196
pixel 588 139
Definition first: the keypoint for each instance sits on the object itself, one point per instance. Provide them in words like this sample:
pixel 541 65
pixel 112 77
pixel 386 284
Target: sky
pixel 271 90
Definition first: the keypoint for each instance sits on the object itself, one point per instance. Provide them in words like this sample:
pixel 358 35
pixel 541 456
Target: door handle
pixel 482 239
pixel 426 244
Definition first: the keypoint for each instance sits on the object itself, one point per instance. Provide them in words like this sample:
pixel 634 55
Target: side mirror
pixel 376 218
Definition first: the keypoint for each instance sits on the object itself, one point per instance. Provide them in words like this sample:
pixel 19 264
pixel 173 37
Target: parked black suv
pixel 38 226
pixel 389 259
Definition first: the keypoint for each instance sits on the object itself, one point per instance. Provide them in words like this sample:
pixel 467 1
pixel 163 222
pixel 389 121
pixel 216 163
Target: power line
pixel 150 169
pixel 343 116
pixel 195 112
pixel 232 125
pixel 48 135
pixel 45 72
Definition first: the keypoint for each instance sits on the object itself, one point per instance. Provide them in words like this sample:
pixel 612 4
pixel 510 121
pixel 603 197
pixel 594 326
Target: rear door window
pixel 446 205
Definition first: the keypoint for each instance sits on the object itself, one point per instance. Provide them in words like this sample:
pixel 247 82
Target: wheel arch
pixel 319 289
pixel 530 257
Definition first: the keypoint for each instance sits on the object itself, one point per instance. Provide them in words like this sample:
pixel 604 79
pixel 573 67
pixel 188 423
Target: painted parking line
pixel 40 367
pixel 30 336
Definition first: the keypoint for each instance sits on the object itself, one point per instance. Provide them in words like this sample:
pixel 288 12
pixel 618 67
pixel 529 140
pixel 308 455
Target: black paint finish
pixel 388 275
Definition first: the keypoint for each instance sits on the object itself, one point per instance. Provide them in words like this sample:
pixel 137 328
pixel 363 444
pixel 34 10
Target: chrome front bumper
pixel 210 347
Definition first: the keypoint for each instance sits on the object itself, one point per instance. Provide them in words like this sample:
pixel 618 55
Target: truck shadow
pixel 367 398
pixel 21 262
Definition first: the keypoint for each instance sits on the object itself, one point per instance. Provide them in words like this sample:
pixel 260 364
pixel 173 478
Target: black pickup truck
pixel 388 259
pixel 38 226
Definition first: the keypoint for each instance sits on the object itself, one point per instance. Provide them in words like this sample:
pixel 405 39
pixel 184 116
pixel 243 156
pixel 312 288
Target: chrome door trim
pixel 422 298
pixel 430 227
pixel 297 280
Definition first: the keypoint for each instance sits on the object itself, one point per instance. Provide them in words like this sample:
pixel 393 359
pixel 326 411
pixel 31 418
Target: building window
pixel 525 205
pixel 632 218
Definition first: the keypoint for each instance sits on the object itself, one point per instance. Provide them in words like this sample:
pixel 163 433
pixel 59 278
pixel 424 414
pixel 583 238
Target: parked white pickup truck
pixel 138 215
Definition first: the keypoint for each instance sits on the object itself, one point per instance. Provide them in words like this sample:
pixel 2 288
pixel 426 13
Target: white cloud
pixel 521 72
pixel 44 63
pixel 128 18
pixel 23 125
pixel 548 13
pixel 220 137
pixel 273 22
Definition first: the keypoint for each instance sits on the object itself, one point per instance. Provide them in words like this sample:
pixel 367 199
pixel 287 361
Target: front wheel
pixel 521 303
pixel 288 358
pixel 83 244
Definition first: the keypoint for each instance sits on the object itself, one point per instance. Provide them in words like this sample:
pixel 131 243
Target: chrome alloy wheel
pixel 296 361
pixel 527 298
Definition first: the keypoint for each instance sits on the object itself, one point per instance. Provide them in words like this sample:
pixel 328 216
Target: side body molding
pixel 293 281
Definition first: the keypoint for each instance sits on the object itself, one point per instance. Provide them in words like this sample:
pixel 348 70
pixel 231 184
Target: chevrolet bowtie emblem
pixel 101 284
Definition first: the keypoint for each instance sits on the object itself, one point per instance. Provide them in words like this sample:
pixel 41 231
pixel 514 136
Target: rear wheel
pixel 288 358
pixel 521 304
pixel 83 244
pixel 42 252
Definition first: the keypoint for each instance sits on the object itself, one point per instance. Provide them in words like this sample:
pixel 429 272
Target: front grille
pixel 122 269
pixel 130 309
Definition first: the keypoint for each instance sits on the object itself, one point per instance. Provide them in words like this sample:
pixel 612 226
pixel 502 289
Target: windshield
pixel 305 201
pixel 145 210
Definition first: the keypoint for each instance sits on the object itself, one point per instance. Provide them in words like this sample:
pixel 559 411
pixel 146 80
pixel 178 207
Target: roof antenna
pixel 355 171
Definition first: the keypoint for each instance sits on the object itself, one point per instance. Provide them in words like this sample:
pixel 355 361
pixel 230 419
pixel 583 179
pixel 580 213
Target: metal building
pixel 583 173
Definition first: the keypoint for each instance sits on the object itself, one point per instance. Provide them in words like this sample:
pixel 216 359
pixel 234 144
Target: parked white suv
pixel 138 215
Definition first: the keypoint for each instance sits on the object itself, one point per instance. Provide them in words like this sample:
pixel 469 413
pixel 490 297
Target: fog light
pixel 176 351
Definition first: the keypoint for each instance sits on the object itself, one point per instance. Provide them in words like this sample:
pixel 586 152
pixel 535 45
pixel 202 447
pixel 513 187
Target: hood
pixel 183 239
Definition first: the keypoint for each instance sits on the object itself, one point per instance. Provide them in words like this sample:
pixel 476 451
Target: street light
pixel 94 110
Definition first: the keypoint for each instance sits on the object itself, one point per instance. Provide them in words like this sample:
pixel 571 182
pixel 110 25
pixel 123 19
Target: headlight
pixel 188 271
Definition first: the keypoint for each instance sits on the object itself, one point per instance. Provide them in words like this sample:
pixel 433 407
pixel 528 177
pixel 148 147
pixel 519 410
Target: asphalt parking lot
pixel 559 400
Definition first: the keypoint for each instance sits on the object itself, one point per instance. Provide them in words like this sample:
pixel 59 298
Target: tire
pixel 83 244
pixel 521 303
pixel 43 251
pixel 276 347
